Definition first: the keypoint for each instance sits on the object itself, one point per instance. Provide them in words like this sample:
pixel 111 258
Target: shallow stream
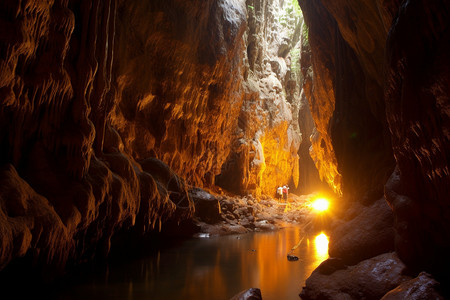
pixel 211 268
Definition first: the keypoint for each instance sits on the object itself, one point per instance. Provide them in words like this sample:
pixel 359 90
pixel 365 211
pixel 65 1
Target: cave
pixel 126 123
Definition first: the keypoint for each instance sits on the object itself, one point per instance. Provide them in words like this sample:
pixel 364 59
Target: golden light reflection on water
pixel 219 268
pixel 258 262
pixel 321 246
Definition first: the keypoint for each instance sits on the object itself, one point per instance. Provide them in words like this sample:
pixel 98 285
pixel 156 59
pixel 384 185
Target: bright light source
pixel 320 204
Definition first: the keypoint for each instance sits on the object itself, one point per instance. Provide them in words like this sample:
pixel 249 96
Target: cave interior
pixel 120 119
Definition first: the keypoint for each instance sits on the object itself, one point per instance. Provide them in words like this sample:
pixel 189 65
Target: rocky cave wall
pixel 210 104
pixel 178 71
pixel 266 142
pixel 380 90
pixel 346 96
pixel 93 93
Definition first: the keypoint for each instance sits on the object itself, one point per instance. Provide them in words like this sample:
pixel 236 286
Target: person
pixel 279 192
pixel 285 193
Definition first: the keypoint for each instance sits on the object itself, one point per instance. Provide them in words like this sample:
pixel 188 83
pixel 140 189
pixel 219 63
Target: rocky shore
pixel 219 214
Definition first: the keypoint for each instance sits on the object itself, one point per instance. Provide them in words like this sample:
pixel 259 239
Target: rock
pixel 185 113
pixel 291 257
pixel 250 294
pixel 369 279
pixel 423 286
pixel 331 265
pixel 90 90
pixel 379 99
pixel 419 64
pixel 207 207
pixel 264 153
pixel 264 225
pixel 350 145
pixel 368 234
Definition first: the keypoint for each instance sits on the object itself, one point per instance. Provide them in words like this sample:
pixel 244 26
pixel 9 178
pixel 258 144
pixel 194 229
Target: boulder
pixel 250 294
pixel 368 234
pixel 423 286
pixel 370 279
pixel 207 207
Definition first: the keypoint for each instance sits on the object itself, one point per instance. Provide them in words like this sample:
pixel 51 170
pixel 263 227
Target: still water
pixel 212 268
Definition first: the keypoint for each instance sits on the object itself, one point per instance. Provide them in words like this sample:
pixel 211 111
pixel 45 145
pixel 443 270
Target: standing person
pixel 279 192
pixel 285 193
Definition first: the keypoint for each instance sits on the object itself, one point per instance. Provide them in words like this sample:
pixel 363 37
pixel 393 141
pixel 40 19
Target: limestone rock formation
pixel 111 111
pixel 310 179
pixel 418 112
pixel 264 151
pixel 380 99
pixel 92 94
pixel 178 73
pixel 351 147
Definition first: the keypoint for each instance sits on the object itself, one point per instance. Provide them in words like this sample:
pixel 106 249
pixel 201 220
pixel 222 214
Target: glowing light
pixel 321 245
pixel 320 205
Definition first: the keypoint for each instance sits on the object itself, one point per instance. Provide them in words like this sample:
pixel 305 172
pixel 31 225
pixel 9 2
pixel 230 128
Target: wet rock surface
pixel 423 286
pixel 369 233
pixel 369 279
pixel 250 294
pixel 264 151
pixel 112 110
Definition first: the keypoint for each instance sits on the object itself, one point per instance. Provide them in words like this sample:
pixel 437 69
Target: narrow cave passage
pixel 154 129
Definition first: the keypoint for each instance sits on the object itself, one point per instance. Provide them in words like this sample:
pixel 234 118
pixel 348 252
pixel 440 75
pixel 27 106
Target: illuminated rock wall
pixel 351 147
pixel 265 147
pixel 89 91
pixel 178 72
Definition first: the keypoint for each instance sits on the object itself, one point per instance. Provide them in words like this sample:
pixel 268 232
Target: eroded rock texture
pixel 178 72
pixel 266 142
pixel 423 286
pixel 93 93
pixel 351 147
pixel 381 90
pixel 418 111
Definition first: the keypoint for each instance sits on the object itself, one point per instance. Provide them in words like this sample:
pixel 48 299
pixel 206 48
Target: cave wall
pixel 346 100
pixel 178 74
pixel 92 95
pixel 310 180
pixel 418 112
pixel 380 99
pixel 265 145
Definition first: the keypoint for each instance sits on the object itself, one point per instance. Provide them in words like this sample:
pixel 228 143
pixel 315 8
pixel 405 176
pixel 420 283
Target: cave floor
pixel 248 214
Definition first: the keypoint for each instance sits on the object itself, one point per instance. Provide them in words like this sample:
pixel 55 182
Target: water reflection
pixel 213 268
pixel 321 246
